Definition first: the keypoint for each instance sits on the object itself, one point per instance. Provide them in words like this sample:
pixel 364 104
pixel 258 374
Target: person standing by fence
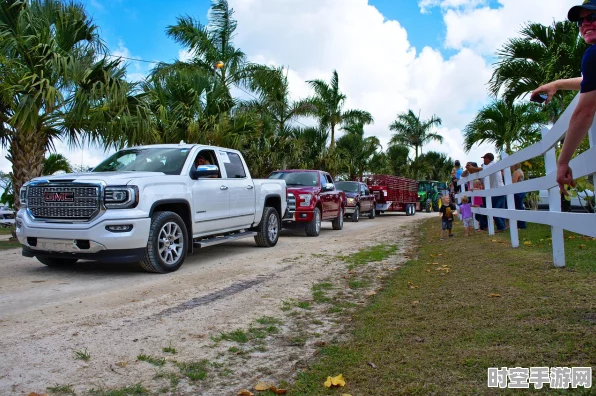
pixel 518 176
pixel 496 180
pixel 583 116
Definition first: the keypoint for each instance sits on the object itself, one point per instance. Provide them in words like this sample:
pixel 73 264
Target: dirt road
pixel 117 312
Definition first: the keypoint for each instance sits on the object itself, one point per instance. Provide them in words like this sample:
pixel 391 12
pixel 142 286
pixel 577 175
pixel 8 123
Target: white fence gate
pixel 583 165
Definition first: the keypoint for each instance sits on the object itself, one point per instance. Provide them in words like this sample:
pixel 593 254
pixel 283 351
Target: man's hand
pixel 565 177
pixel 549 89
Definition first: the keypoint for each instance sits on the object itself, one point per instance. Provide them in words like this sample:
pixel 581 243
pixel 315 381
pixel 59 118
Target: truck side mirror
pixel 204 171
pixel 328 187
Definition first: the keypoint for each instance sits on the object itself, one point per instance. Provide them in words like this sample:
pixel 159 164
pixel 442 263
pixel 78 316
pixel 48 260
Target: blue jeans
pixel 499 203
pixel 519 205
pixel 482 219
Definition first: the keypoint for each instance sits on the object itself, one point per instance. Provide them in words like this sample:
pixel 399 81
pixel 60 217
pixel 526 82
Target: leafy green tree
pixel 437 166
pixel 356 150
pixel 56 83
pixel 414 132
pixel 329 102
pixel 54 163
pixel 541 54
pixel 504 124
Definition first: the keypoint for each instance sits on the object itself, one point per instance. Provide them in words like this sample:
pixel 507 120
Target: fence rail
pixel 582 165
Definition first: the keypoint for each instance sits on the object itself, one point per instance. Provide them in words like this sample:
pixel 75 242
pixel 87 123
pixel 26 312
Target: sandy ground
pixel 117 312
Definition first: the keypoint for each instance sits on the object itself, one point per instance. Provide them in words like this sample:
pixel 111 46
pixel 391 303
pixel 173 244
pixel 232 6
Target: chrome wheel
pixel 170 243
pixel 272 227
pixel 317 221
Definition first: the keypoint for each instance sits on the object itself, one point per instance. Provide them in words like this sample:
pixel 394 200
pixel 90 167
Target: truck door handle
pixel 250 187
pixel 223 188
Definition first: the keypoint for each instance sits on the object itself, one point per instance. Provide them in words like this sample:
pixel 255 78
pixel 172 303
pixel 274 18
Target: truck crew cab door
pixel 241 189
pixel 329 199
pixel 211 199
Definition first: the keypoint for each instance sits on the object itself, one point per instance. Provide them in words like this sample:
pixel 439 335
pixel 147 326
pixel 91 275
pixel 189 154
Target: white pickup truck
pixel 149 204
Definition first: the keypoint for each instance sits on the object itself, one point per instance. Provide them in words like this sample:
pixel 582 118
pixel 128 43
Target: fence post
pixel 554 205
pixel 489 206
pixel 513 231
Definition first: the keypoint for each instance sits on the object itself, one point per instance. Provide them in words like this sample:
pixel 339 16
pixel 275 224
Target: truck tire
pixel 413 209
pixel 268 229
pixel 372 213
pixel 338 222
pixel 56 262
pixel 167 243
pixel 428 205
pixel 356 214
pixel 313 228
pixel 436 205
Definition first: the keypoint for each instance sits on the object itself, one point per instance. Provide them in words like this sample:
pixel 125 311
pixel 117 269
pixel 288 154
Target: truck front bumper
pixel 92 241
pixel 299 216
pixel 349 210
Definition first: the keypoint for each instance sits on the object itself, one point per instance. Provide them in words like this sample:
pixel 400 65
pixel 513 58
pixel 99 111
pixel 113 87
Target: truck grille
pixel 291 204
pixel 63 201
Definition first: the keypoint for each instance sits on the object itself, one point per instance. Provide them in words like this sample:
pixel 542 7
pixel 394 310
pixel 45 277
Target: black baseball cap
pixel 489 155
pixel 573 14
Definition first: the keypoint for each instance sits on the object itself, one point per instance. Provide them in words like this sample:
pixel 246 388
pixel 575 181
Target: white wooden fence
pixel 582 165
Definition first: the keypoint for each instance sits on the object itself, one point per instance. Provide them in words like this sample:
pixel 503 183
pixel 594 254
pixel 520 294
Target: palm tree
pixel 414 132
pixel 542 54
pixel 329 102
pixel 439 165
pixel 56 83
pixel 357 150
pixel 504 123
pixel 54 163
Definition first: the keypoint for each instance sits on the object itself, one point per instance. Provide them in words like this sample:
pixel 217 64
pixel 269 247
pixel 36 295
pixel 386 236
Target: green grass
pixel 5 245
pixel 5 231
pixel 195 371
pixel 319 290
pixel 169 349
pixel 287 305
pixel 136 389
pixel 368 255
pixel 269 320
pixel 61 389
pixel 171 376
pixel 83 354
pixel 433 331
pixel 159 362
pixel 357 284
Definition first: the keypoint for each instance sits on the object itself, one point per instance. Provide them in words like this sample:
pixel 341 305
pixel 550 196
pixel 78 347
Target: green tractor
pixel 430 193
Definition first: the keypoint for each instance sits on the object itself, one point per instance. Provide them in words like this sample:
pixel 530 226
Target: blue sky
pixel 431 56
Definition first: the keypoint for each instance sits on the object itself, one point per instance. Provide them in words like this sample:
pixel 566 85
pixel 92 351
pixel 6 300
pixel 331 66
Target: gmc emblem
pixel 58 196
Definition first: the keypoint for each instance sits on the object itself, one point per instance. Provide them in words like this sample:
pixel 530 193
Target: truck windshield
pixel 347 186
pixel 166 160
pixel 309 179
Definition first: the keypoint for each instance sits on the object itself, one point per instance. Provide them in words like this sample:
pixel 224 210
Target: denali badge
pixel 58 196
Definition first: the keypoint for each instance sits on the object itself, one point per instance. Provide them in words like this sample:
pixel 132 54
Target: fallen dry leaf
pixel 581 246
pixel 261 386
pixel 245 392
pixel 371 364
pixel 371 293
pixel 527 243
pixel 278 391
pixel 427 270
pixel 122 364
pixel 494 295
pixel 415 302
pixel 335 381
pixel 37 394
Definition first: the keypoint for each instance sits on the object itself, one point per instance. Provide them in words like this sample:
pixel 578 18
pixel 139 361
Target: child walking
pixel 446 212
pixel 465 213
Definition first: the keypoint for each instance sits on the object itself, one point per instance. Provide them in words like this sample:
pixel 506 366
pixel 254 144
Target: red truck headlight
pixel 305 199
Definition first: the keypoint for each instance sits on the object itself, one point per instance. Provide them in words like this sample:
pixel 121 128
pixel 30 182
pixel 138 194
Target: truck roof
pixel 298 170
pixel 180 145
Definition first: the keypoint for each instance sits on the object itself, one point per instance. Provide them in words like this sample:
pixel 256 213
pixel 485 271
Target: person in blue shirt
pixel 583 116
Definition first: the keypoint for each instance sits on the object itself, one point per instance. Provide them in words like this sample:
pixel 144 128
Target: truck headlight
pixel 23 196
pixel 351 201
pixel 121 197
pixel 305 199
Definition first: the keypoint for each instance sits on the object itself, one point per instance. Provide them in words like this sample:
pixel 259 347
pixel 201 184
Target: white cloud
pixel 184 55
pixel 136 70
pixel 474 24
pixel 378 69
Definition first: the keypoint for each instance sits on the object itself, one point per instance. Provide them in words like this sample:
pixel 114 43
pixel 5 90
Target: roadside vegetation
pixel 460 307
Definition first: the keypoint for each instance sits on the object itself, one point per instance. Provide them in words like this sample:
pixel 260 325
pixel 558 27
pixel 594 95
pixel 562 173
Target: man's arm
pixel 569 84
pixel 473 169
pixel 581 120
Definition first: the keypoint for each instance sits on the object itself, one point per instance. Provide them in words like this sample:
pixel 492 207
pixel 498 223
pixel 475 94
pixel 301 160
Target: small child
pixel 446 212
pixel 477 201
pixel 465 213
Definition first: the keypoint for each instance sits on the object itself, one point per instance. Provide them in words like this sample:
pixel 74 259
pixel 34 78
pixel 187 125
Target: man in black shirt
pixel 583 116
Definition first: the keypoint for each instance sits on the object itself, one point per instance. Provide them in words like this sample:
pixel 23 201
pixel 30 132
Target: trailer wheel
pixel 428 205
pixel 356 214
pixel 413 209
pixel 378 212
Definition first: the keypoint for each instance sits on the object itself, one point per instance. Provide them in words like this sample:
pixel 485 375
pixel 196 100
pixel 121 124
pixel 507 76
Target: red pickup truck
pixel 312 198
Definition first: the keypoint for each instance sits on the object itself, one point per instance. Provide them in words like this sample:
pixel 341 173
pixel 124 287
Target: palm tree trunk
pixel 332 145
pixel 26 155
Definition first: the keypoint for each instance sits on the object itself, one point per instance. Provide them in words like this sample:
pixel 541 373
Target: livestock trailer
pixel 394 193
